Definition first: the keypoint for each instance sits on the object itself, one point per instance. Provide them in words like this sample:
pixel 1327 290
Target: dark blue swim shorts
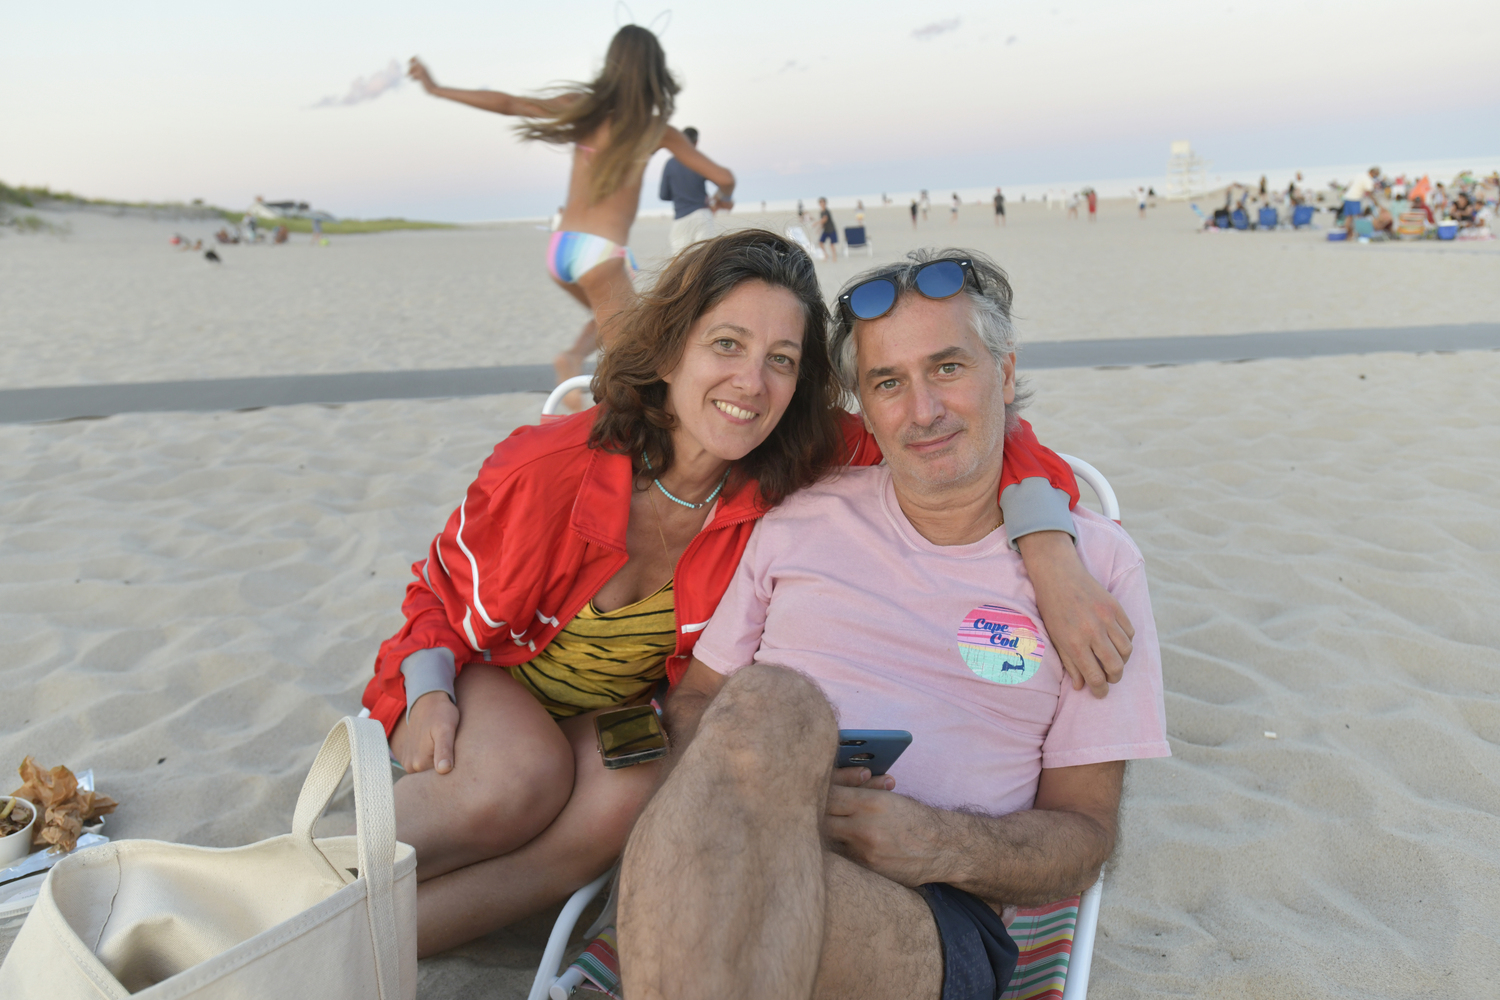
pixel 828 237
pixel 979 956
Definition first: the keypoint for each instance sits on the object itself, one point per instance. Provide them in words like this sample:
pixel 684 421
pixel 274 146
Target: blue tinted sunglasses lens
pixel 873 299
pixel 940 279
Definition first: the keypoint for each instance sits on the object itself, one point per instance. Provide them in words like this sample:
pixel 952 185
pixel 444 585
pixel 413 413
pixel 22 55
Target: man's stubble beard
pixel 977 465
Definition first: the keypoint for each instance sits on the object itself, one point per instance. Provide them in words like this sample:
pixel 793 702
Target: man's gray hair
pixel 990 315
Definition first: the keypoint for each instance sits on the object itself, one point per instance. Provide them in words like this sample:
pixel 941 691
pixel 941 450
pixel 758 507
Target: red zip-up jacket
pixel 543 527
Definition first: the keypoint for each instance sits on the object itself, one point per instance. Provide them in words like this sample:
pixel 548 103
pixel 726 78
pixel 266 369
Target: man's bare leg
pixel 726 888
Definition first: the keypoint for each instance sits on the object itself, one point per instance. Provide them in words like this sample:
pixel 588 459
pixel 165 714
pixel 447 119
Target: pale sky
pixel 172 100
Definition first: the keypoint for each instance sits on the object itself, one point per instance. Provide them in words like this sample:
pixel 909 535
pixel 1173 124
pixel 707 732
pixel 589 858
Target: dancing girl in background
pixel 614 125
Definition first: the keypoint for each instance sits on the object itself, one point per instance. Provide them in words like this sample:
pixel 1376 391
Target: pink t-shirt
pixel 942 641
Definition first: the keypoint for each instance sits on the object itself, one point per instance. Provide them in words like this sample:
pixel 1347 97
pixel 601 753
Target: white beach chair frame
pixel 567 385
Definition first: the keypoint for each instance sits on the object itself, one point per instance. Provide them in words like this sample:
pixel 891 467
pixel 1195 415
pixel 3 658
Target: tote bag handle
pixel 359 743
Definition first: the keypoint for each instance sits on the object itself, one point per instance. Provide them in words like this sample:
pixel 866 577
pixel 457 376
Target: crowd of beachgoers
pixel 1373 206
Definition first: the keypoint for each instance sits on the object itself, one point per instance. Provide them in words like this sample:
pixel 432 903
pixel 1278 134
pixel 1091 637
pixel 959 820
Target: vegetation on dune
pixel 42 197
pixel 342 226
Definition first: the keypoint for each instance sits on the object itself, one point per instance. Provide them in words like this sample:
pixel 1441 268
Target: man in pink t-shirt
pixel 888 598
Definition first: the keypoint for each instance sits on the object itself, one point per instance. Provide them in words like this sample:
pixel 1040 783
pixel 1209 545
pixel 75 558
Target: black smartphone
pixel 876 749
pixel 630 736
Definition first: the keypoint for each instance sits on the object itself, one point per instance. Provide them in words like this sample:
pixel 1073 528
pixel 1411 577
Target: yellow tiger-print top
pixel 604 659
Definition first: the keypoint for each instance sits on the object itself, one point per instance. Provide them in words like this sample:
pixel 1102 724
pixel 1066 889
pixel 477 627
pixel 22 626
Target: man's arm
pixel 687 154
pixel 1028 858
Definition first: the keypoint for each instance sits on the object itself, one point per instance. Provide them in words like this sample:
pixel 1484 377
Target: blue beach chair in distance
pixel 1240 220
pixel 854 239
pixel 1268 217
pixel 1302 215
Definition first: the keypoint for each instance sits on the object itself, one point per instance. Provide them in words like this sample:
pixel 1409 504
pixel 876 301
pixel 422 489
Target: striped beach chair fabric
pixel 600 966
pixel 1044 936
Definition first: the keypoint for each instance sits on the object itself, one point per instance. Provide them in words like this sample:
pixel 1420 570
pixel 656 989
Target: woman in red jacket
pixel 590 552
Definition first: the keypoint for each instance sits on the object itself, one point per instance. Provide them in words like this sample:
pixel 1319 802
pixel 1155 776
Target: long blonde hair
pixel 634 93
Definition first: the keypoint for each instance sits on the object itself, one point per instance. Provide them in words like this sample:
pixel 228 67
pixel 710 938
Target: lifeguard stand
pixel 1187 172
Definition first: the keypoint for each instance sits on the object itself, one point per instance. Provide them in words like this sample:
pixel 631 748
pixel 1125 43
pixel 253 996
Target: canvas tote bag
pixel 287 917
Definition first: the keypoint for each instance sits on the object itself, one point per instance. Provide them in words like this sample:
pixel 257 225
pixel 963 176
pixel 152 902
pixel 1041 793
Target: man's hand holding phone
pixel 891 835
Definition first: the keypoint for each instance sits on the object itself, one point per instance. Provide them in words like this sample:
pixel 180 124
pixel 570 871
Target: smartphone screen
pixel 630 735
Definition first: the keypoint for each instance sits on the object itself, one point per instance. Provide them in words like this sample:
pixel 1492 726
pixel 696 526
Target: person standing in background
pixel 999 207
pixel 1359 189
pixel 1093 197
pixel 926 204
pixel 914 207
pixel 692 208
pixel 953 211
pixel 830 234
pixel 1140 198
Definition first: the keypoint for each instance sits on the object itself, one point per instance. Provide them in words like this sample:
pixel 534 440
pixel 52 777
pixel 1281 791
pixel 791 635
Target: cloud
pixel 1011 40
pixel 937 28
pixel 366 88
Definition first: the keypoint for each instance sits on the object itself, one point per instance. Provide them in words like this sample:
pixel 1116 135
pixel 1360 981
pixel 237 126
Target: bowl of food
pixel 17 819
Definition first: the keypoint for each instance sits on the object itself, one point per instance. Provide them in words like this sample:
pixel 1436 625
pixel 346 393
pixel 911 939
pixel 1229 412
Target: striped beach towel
pixel 600 963
pixel 1045 937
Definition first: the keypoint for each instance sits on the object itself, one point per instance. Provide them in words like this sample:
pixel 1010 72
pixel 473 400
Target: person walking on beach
pixel 830 232
pixel 1140 198
pixel 1093 197
pixel 614 124
pixel 999 207
pixel 1073 205
pixel 692 208
pixel 926 204
pixel 953 210
pixel 914 208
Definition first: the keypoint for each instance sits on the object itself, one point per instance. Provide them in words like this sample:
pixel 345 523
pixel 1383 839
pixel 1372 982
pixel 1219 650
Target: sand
pixel 189 601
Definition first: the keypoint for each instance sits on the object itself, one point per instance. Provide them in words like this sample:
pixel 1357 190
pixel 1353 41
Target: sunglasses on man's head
pixel 941 279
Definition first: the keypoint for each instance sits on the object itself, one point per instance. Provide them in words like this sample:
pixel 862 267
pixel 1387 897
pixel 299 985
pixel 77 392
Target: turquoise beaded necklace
pixel 668 493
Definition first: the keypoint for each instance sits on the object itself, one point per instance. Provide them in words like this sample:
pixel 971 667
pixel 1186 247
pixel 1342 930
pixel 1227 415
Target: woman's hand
pixel 1089 629
pixel 418 72
pixel 429 734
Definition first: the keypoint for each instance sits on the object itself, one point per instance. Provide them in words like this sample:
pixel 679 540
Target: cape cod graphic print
pixel 1001 645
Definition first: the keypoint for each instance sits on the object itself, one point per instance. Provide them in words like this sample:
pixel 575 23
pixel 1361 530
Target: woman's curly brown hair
pixel 633 419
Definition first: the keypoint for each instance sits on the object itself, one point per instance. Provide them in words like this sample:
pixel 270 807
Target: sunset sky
pixel 172 100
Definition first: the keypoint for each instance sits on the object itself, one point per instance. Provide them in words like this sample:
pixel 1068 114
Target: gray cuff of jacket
pixel 1031 505
pixel 428 670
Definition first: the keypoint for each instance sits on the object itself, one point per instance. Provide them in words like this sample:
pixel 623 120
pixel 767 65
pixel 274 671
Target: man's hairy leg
pixel 722 889
pixel 879 939
pixel 727 889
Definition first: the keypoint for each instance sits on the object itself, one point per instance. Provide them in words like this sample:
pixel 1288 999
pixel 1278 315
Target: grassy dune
pixel 44 197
